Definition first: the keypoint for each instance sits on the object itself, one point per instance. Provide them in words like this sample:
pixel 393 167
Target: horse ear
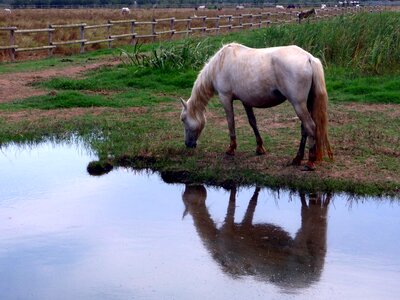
pixel 184 104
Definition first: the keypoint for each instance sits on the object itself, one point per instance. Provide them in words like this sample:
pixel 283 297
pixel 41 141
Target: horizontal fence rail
pixel 165 28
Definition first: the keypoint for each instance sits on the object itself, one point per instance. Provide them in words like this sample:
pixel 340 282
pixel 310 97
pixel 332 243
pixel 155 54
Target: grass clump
pixel 188 54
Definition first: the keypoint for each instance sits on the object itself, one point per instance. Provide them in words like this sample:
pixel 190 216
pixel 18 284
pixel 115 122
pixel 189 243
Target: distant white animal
pixel 239 6
pixel 125 11
pixel 279 7
pixel 7 11
pixel 201 7
pixel 323 6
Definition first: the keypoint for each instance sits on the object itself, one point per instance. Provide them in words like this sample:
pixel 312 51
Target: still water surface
pixel 67 235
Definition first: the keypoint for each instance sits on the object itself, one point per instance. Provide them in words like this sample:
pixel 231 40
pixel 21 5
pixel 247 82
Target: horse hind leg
pixel 309 128
pixel 260 150
pixel 300 153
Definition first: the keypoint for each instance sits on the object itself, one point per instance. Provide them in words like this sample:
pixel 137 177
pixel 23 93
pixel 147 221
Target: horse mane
pixel 203 87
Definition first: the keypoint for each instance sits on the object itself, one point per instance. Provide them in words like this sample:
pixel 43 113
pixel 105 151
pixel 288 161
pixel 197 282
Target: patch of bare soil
pixel 19 85
pixel 33 115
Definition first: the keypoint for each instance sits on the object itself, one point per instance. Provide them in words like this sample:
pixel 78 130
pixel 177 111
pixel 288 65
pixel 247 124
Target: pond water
pixel 126 235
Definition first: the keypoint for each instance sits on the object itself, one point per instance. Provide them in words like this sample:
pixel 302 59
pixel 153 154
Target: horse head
pixel 193 124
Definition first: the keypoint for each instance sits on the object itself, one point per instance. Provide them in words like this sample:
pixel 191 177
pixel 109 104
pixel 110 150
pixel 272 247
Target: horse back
pixel 261 77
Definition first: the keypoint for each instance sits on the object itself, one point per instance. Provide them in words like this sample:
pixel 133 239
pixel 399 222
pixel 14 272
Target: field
pixel 128 113
pixel 25 19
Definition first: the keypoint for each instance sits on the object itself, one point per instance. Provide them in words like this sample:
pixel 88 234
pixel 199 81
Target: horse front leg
pixel 260 150
pixel 228 106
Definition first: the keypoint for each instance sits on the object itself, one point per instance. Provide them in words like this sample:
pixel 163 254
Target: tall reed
pixel 365 42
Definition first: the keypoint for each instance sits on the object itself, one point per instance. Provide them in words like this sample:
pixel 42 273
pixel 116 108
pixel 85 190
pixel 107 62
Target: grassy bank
pixel 129 115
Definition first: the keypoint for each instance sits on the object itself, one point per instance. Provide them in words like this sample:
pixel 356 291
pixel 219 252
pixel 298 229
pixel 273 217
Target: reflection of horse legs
pixel 253 123
pixel 311 237
pixel 251 208
pixel 230 212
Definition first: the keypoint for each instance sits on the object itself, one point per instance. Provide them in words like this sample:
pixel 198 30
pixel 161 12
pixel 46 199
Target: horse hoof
pixel 296 162
pixel 263 152
pixel 309 166
pixel 230 153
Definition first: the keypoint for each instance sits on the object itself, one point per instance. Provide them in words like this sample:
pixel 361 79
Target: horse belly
pixel 267 99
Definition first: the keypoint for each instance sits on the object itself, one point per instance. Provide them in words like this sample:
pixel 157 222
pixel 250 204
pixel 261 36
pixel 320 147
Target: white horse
pixel 7 11
pixel 239 7
pixel 263 78
pixel 125 11
pixel 279 7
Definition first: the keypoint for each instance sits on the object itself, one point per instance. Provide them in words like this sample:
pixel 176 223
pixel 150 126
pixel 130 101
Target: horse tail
pixel 318 99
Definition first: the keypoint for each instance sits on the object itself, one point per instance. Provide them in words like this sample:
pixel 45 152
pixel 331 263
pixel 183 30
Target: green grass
pixel 58 62
pixel 345 86
pixel 126 77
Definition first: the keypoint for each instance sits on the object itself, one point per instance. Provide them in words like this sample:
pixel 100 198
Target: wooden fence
pixel 166 28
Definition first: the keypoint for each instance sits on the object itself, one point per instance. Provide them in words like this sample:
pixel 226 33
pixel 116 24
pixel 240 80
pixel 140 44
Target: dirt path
pixel 19 85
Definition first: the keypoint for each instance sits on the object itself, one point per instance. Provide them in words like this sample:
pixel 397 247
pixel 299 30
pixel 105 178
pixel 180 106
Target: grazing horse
pixel 306 14
pixel 263 250
pixel 263 78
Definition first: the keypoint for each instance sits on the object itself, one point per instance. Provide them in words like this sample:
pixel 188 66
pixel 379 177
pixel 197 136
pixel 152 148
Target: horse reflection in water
pixel 265 251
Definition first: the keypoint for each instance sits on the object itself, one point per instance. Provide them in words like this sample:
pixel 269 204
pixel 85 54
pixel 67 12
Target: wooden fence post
pixel 230 23
pixel 133 33
pixel 153 29
pixel 189 26
pixel 12 43
pixel 82 30
pixel 204 30
pixel 50 41
pixel 217 25
pixel 172 27
pixel 109 34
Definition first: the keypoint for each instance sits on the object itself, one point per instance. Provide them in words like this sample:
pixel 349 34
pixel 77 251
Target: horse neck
pixel 201 93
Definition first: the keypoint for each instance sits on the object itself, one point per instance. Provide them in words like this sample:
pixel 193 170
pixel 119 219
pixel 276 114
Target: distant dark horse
pixel 306 14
